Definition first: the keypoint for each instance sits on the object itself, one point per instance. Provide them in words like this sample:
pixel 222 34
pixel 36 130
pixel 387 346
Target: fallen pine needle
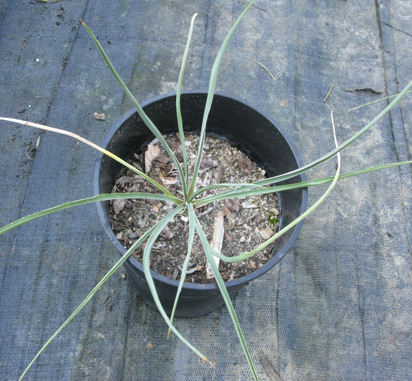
pixel 265 68
pixel 327 95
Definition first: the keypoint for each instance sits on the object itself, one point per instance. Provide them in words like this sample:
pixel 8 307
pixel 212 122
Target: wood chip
pixel 227 213
pixel 142 222
pixel 124 180
pixel 175 274
pixel 161 161
pixel 266 233
pixel 233 205
pixel 167 233
pixel 98 116
pixel 249 205
pixel 151 153
pixel 219 174
pixel 207 180
pixel 118 205
pixel 216 242
pixel 168 180
pixel 209 162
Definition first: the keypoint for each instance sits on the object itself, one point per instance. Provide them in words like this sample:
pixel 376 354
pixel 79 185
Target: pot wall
pixel 232 120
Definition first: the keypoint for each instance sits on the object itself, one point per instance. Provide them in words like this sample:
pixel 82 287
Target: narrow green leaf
pixel 281 188
pixel 246 255
pixel 184 268
pixel 377 100
pixel 139 109
pixel 88 200
pixel 146 265
pixel 298 171
pixel 212 85
pixel 223 185
pixel 340 147
pixel 90 295
pixel 178 109
pixel 221 284
pixel 89 143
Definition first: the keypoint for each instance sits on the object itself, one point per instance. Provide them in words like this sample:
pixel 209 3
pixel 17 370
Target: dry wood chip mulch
pixel 245 222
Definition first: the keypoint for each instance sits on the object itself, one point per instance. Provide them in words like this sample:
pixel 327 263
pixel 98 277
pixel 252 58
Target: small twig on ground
pixel 214 371
pixel 378 100
pixel 327 95
pixel 205 211
pixel 394 27
pixel 262 9
pixel 27 152
pixel 106 299
pixel 265 68
pixel 364 89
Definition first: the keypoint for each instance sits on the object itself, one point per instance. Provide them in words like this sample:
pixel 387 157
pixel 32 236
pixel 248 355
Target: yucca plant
pixel 193 198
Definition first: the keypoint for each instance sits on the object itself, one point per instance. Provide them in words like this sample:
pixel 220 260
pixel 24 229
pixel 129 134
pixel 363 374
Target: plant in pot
pixel 239 124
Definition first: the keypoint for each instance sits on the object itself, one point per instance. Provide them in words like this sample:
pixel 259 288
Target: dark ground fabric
pixel 338 307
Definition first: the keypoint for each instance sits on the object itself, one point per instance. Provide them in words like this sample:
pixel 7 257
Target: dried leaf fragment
pixel 124 180
pixel 151 153
pixel 118 205
pixel 232 205
pixel 162 161
pixel 167 233
pixel 226 212
pixel 209 162
pixel 168 180
pixel 245 165
pixel 219 173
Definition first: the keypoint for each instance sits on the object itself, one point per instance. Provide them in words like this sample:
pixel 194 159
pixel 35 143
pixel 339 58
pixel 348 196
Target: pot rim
pixel 273 261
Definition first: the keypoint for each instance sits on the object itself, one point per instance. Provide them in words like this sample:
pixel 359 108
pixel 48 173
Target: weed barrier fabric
pixel 338 305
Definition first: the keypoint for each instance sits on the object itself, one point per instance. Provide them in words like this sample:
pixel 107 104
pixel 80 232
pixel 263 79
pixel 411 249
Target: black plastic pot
pixel 233 120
